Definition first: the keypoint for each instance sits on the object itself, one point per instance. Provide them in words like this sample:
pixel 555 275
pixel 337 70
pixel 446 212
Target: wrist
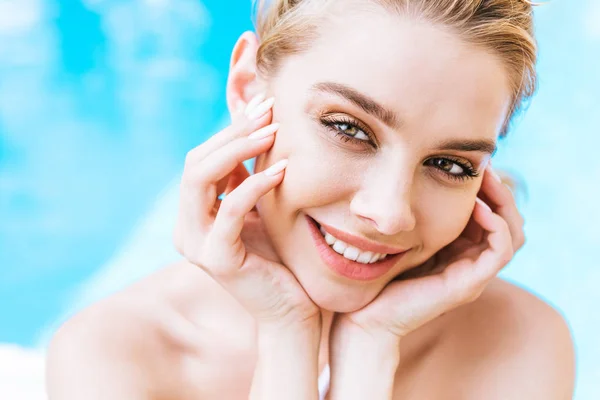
pixel 287 361
pixel 306 329
pixel 354 334
pixel 363 363
pixel 378 348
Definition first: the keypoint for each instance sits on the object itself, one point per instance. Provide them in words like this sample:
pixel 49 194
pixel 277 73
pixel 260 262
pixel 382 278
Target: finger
pixel 226 186
pixel 472 231
pixel 200 184
pixel 497 250
pixel 225 234
pixel 466 278
pixel 502 201
pixel 261 117
pixel 230 218
pixel 239 175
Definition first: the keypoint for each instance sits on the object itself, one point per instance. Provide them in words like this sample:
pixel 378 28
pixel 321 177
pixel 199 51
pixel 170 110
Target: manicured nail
pixel 256 100
pixel 264 132
pixel 483 204
pixel 494 174
pixel 276 168
pixel 262 108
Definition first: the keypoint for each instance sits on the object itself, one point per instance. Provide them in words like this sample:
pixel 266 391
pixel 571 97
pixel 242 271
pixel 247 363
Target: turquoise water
pixel 101 99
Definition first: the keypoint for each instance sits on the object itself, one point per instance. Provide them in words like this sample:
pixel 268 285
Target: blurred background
pixel 101 99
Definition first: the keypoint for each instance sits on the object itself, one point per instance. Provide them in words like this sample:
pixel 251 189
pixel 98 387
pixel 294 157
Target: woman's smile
pixel 351 256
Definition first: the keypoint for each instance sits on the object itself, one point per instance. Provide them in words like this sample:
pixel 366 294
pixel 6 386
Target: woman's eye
pixel 453 169
pixel 351 130
pixel 448 166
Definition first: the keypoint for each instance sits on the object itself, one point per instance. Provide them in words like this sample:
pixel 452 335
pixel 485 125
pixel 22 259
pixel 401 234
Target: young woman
pixel 359 260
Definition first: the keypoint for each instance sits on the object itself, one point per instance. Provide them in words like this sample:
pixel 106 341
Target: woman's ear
pixel 242 83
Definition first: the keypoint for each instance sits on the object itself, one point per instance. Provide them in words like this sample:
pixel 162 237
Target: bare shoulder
pixel 143 342
pixel 511 345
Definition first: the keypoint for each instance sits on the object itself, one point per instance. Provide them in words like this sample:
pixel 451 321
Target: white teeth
pixel 351 252
pixel 365 257
pixel 339 247
pixel 329 239
pixel 375 257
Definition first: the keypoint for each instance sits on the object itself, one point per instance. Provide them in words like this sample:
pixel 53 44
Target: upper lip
pixel 360 242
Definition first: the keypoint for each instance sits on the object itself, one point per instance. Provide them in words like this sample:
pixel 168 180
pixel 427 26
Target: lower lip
pixel 348 268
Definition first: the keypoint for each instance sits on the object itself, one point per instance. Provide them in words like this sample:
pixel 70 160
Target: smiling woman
pixel 367 240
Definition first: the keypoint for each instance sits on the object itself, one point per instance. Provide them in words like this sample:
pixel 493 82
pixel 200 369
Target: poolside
pixel 101 99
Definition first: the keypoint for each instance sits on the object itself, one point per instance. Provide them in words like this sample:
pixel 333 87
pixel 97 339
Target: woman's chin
pixel 340 298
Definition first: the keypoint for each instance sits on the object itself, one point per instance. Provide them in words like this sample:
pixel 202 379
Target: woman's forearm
pixel 362 366
pixel 287 365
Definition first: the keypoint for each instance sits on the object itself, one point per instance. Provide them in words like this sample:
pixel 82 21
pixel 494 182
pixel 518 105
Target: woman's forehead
pixel 413 67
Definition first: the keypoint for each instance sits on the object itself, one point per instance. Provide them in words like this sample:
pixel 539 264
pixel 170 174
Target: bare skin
pixel 168 340
pixel 243 315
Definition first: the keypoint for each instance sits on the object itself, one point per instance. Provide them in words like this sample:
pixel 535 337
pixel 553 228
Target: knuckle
pixel 231 208
pixel 456 291
pixel 196 255
pixel 192 155
pixel 192 248
pixel 504 224
pixel 507 255
pixel 246 126
pixel 193 177
pixel 522 240
pixel 464 292
pixel 468 294
pixel 464 296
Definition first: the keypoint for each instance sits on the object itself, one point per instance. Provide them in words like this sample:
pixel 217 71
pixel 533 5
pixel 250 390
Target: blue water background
pixel 101 99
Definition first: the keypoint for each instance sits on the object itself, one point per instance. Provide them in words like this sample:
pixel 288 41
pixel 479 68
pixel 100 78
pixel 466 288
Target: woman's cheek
pixel 314 178
pixel 445 217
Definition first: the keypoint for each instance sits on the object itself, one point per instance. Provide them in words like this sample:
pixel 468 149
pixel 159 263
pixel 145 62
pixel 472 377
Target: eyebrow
pixel 361 100
pixel 390 118
pixel 483 146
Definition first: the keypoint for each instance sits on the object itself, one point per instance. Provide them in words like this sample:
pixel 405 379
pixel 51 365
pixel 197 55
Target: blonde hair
pixel 505 27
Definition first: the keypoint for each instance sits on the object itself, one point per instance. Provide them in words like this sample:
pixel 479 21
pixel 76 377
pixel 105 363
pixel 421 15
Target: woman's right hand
pixel 208 230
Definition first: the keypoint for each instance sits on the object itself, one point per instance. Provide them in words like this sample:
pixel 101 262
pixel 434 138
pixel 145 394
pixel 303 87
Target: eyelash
pixel 331 123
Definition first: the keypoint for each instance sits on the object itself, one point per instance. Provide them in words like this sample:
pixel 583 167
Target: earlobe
pixel 242 82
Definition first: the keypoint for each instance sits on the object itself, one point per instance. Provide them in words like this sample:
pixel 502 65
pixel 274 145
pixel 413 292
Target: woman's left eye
pixel 453 169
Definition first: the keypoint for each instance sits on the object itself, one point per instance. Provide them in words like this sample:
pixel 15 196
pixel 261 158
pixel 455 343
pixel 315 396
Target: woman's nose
pixel 387 207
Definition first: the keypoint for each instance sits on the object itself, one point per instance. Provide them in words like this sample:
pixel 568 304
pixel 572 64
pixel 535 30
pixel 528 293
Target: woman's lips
pixel 359 242
pixel 345 267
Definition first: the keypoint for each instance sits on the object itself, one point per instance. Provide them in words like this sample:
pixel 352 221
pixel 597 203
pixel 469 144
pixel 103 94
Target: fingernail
pixel 276 168
pixel 494 174
pixel 264 132
pixel 256 100
pixel 262 108
pixel 483 204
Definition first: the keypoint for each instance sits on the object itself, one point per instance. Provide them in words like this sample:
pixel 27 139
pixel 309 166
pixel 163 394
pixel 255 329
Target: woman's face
pixel 388 124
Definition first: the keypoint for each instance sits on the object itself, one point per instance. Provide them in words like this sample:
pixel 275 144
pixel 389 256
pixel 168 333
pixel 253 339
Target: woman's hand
pixel 456 275
pixel 208 230
pixel 368 340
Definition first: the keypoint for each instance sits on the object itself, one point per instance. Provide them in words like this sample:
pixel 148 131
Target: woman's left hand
pixel 456 275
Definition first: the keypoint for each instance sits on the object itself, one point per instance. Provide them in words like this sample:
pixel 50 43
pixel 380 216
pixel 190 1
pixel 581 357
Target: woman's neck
pixel 327 319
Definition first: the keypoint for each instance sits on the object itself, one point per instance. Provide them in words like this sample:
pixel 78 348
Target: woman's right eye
pixel 347 130
pixel 352 131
